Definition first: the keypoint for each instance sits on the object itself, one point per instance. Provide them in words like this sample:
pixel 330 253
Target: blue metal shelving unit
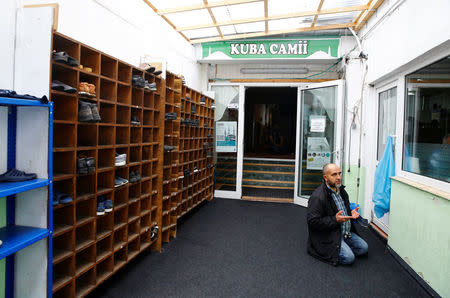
pixel 17 237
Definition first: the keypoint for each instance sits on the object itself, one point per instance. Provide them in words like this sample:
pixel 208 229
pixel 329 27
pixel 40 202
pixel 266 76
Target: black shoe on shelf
pixel 90 163
pixel 14 175
pixel 205 125
pixel 193 109
pixel 135 120
pixel 95 113
pixel 82 167
pixel 202 100
pixel 85 112
pixel 186 172
pixel 157 73
pixel 195 169
pixel 171 116
pixel 60 86
pixel 63 57
pixel 138 81
pixel 169 148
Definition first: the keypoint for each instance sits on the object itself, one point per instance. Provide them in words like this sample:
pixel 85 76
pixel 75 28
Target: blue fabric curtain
pixel 382 190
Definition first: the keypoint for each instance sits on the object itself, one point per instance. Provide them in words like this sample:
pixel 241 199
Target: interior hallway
pixel 239 248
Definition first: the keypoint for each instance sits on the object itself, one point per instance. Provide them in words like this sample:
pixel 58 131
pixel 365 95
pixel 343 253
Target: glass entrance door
pixel 319 135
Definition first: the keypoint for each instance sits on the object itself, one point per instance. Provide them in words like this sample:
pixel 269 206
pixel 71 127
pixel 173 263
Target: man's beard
pixel 335 185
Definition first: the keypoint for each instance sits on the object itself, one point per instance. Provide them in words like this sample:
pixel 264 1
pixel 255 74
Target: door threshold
pixel 379 231
pixel 266 199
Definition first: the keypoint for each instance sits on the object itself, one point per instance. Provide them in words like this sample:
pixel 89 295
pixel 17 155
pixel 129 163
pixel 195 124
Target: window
pixel 387 110
pixel 426 149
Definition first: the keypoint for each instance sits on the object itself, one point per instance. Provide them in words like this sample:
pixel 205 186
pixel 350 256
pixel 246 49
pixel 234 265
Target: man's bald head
pixel 332 174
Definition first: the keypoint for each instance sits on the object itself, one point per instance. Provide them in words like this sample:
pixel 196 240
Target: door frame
pixel 241 118
pixel 338 131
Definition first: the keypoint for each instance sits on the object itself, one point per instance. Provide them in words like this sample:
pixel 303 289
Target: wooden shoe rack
pixel 89 248
pixel 195 142
pixel 172 169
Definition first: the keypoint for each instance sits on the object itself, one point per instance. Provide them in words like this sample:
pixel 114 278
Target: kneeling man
pixel 332 236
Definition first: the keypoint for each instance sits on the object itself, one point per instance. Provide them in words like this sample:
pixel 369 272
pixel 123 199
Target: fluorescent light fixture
pixel 300 70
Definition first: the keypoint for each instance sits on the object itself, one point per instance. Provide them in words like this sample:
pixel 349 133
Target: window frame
pixel 386 87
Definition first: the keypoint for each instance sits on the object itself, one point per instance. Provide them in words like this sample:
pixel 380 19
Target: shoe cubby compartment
pixel 105 181
pixel 122 172
pixel 120 258
pixel 64 107
pixel 107 112
pixel 136 135
pixel 90 79
pixel 147 135
pixel 123 114
pixel 105 225
pixel 87 135
pixel 136 112
pixel 124 73
pixel 86 186
pixel 85 260
pixel 85 235
pixel 137 96
pixel 108 90
pixel 66 291
pixel 63 136
pixel 146 187
pixel 145 222
pixel 120 238
pixel 63 220
pixel 147 153
pixel 133 231
pixel 63 273
pixel 105 269
pixel 134 192
pixel 133 247
pixel 63 164
pixel 65 75
pixel 85 283
pixel 149 100
pixel 120 218
pixel 156 101
pixel 124 93
pixel 146 204
pixel 108 67
pixel 104 248
pixel 62 44
pixel 105 135
pixel 120 198
pixel 63 247
pixel 106 159
pixel 124 150
pixel 135 154
pixel 134 211
pixel 155 150
pixel 86 211
pixel 90 58
pixel 169 97
pixel 146 170
pixel 145 238
pixel 122 135
pixel 149 117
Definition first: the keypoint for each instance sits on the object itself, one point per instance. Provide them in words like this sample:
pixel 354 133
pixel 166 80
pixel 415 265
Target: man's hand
pixel 355 213
pixel 341 218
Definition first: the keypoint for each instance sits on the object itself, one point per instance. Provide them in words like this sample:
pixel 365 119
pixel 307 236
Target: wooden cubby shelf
pixel 89 248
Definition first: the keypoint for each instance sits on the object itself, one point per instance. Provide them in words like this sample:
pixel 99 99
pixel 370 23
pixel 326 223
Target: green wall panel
pixel 350 181
pixel 419 231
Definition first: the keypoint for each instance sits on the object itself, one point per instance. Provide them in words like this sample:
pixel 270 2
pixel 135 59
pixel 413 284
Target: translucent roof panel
pixel 187 18
pixel 277 7
pixel 164 4
pixel 290 24
pixel 244 11
pixel 237 17
pixel 328 4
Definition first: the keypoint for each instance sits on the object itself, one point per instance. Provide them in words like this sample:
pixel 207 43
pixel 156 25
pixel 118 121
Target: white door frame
pixel 338 132
pixel 240 156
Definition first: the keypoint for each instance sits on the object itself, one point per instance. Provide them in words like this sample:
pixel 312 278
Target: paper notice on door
pixel 317 123
pixel 318 153
pixel 226 136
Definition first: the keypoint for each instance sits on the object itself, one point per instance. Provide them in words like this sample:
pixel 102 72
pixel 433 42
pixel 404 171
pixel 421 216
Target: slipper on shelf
pixel 63 57
pixel 15 175
pixel 60 86
pixel 61 198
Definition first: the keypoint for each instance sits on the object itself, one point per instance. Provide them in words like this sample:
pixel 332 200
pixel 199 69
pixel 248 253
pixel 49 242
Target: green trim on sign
pixel 317 48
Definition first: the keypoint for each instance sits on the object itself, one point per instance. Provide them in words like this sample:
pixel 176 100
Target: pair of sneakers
pixel 85 165
pixel 134 176
pixel 104 205
pixel 119 181
pixel 120 159
pixel 88 112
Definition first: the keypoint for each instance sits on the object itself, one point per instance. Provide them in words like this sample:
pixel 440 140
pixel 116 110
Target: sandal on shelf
pixel 15 175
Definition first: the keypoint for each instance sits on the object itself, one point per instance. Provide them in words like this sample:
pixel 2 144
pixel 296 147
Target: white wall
pixel 7 33
pixel 127 30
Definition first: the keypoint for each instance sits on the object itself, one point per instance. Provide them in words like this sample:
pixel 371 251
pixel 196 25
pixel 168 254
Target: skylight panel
pixel 277 7
pixel 201 33
pixel 187 18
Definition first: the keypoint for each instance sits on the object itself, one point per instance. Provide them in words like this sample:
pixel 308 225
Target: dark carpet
pixel 247 249
pixel 268 192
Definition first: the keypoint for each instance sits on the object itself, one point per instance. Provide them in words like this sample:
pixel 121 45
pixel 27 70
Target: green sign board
pixel 326 48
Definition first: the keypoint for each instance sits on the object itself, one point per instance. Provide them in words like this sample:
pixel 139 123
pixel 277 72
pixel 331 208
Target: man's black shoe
pixel 60 86
pixel 138 81
pixel 169 148
pixel 135 120
pixel 95 115
pixel 63 57
pixel 202 100
pixel 82 167
pixel 193 109
pixel 171 116
pixel 186 172
pixel 85 112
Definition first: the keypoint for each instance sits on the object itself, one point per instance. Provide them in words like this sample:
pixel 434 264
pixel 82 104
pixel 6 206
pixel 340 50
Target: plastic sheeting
pixel 382 190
